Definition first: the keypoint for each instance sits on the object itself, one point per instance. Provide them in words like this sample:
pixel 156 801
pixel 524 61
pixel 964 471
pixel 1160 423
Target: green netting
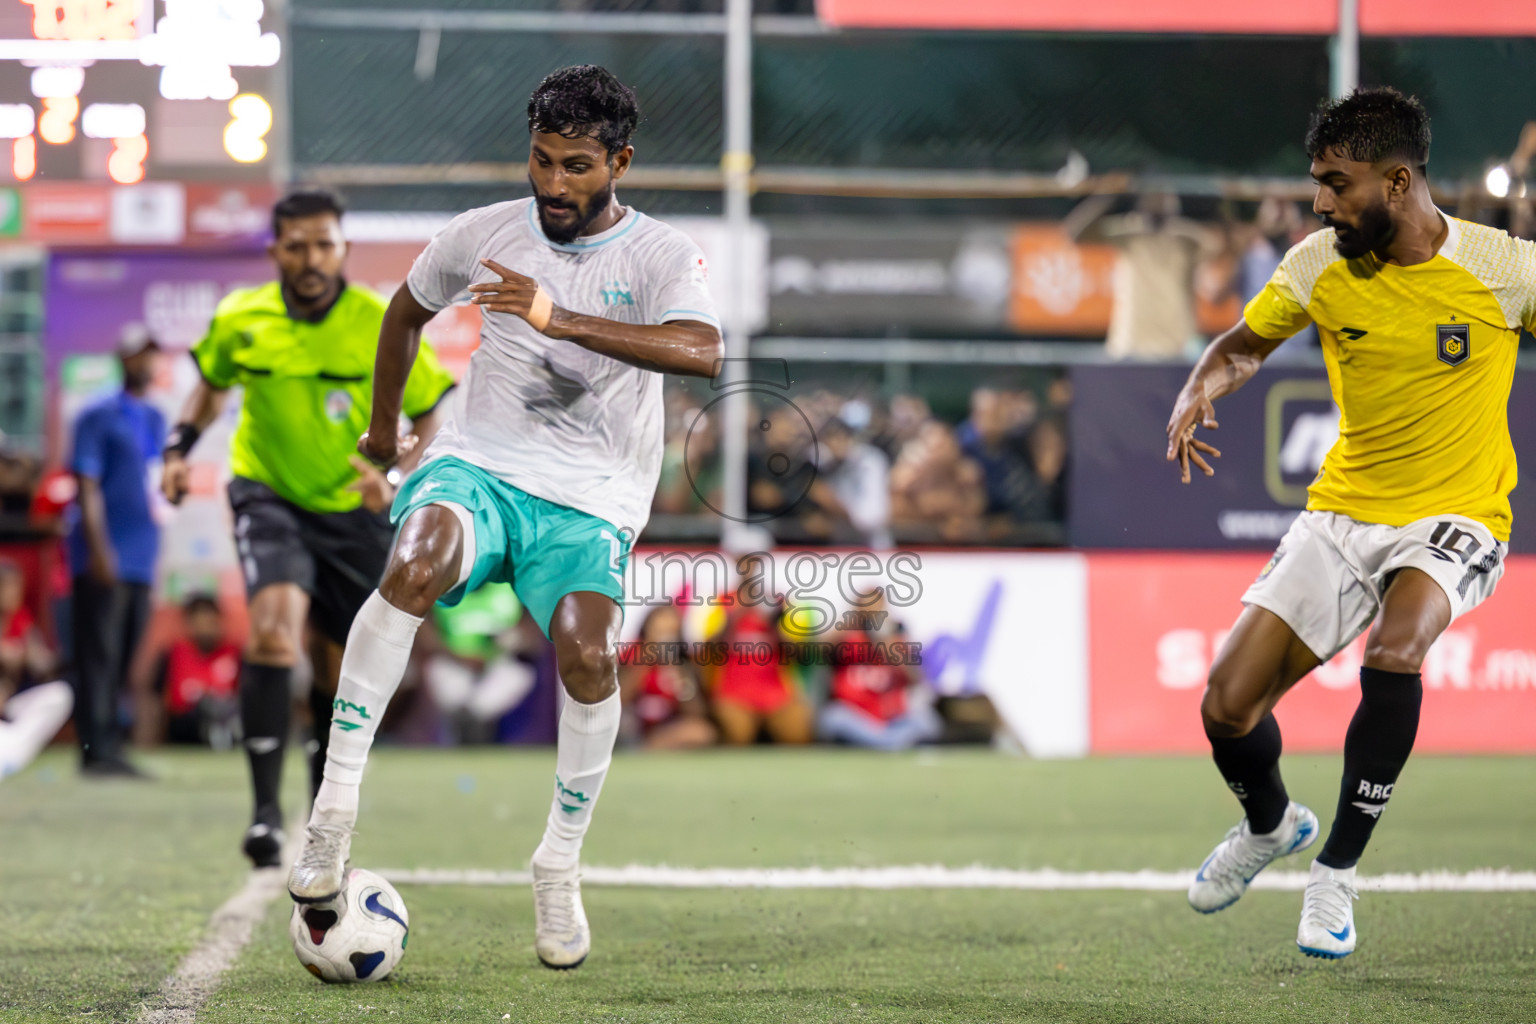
pixel 1218 105
pixel 357 98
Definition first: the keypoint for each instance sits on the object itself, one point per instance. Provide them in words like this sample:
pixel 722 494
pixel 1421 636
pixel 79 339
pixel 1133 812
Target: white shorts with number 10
pixel 1329 574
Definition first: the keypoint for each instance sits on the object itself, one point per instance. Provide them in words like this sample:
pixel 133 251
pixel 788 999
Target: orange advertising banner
pixel 1060 287
pixel 1156 621
pixel 1064 288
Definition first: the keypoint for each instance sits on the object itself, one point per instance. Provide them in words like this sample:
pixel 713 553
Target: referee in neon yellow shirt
pixel 311 523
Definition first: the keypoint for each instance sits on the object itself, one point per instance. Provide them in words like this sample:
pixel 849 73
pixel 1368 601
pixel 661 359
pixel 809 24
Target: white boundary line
pixel 934 876
pixel 194 980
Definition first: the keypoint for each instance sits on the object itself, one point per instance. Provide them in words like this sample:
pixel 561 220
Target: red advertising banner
pixel 1301 17
pixel 1156 621
pixel 79 214
pixel 229 214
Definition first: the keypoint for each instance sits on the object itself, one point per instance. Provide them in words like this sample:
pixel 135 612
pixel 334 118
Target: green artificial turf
pixel 104 886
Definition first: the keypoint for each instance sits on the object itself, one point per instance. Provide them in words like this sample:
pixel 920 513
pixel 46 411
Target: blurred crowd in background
pixel 855 469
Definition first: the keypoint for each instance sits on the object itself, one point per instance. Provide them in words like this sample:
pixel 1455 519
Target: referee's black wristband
pixel 182 437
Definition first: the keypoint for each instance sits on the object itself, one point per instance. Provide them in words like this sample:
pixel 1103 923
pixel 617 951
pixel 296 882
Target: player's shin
pixel 587 735
pixel 1376 747
pixel 1251 767
pixel 265 698
pixel 378 648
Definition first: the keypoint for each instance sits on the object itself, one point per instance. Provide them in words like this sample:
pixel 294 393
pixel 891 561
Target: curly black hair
pixel 1371 125
pixel 585 101
pixel 305 202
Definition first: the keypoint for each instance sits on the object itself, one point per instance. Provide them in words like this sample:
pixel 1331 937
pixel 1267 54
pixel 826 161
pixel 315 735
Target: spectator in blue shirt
pixel 112 549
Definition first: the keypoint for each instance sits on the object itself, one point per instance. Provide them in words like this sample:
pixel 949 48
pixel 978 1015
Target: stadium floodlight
pixel 16 120
pixel 112 120
pixel 1497 182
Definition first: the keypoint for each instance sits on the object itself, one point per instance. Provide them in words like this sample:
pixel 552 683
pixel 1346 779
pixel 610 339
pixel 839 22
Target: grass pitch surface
pixel 103 886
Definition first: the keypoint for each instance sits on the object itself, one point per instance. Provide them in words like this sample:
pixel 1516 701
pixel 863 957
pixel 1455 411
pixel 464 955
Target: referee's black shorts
pixel 338 558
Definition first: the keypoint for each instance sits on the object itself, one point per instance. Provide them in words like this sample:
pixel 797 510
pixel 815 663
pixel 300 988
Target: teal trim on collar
pixel 630 220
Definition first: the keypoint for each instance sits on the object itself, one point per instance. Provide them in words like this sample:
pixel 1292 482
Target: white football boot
pixel 1328 914
pixel 320 871
pixel 561 936
pixel 1224 877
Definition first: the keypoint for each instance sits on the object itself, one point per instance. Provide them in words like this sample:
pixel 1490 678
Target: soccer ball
pixel 361 939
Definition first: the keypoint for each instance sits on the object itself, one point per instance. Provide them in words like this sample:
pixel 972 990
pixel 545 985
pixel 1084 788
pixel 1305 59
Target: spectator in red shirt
pixel 876 698
pixel 24 655
pixel 30 715
pixel 752 691
pixel 198 677
pixel 663 703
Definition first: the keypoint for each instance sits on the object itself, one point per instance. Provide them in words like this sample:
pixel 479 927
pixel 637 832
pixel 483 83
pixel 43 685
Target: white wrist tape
pixel 541 309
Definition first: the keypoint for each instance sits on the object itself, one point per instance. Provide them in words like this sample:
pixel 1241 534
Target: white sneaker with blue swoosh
pixel 1328 913
pixel 1224 877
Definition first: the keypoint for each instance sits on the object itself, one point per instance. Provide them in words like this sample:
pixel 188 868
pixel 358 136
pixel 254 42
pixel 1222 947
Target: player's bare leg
pixel 1415 611
pixel 424 566
pixel 277 613
pixel 1261 660
pixel 585 630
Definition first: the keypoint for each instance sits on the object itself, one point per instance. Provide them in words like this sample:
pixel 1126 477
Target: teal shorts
pixel 543 549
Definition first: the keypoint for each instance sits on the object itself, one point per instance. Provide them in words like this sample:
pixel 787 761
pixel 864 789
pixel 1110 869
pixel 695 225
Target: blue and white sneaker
pixel 1224 877
pixel 1328 914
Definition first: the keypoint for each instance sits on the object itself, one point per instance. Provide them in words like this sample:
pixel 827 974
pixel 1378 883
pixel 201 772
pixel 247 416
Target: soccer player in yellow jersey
pixel 1407 523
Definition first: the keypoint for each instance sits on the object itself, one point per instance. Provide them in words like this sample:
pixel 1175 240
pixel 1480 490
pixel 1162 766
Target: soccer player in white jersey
pixel 542 473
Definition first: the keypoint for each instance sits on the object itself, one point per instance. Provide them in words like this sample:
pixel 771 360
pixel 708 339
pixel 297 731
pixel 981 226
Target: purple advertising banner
pixel 1273 436
pixel 91 295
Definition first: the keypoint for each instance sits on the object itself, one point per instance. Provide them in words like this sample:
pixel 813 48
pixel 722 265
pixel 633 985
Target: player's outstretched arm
pixel 202 408
pixel 689 347
pixel 399 339
pixel 1225 366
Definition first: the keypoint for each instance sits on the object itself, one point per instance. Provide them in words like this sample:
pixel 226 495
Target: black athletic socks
pixel 1251 766
pixel 265 696
pixel 320 704
pixel 1376 747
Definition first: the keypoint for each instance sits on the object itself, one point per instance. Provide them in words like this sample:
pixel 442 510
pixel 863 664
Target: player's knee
pixel 1396 655
pixel 588 670
pixel 413 583
pixel 1225 714
pixel 272 643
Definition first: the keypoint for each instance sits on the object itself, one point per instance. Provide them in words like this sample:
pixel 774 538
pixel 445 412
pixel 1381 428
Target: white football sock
pixel 378 648
pixel 1321 870
pixel 587 735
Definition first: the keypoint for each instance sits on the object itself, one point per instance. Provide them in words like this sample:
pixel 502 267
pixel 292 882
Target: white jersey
pixel 549 417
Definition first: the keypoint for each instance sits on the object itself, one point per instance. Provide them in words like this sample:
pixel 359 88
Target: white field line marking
pixel 194 980
pixel 934 876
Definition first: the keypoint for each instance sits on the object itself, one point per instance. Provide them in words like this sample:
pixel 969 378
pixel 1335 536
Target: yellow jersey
pixel 1420 362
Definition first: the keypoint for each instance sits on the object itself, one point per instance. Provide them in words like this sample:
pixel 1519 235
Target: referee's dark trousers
pixel 109 620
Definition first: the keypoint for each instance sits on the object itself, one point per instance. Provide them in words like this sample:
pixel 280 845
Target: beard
pixel 568 232
pixel 1374 231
